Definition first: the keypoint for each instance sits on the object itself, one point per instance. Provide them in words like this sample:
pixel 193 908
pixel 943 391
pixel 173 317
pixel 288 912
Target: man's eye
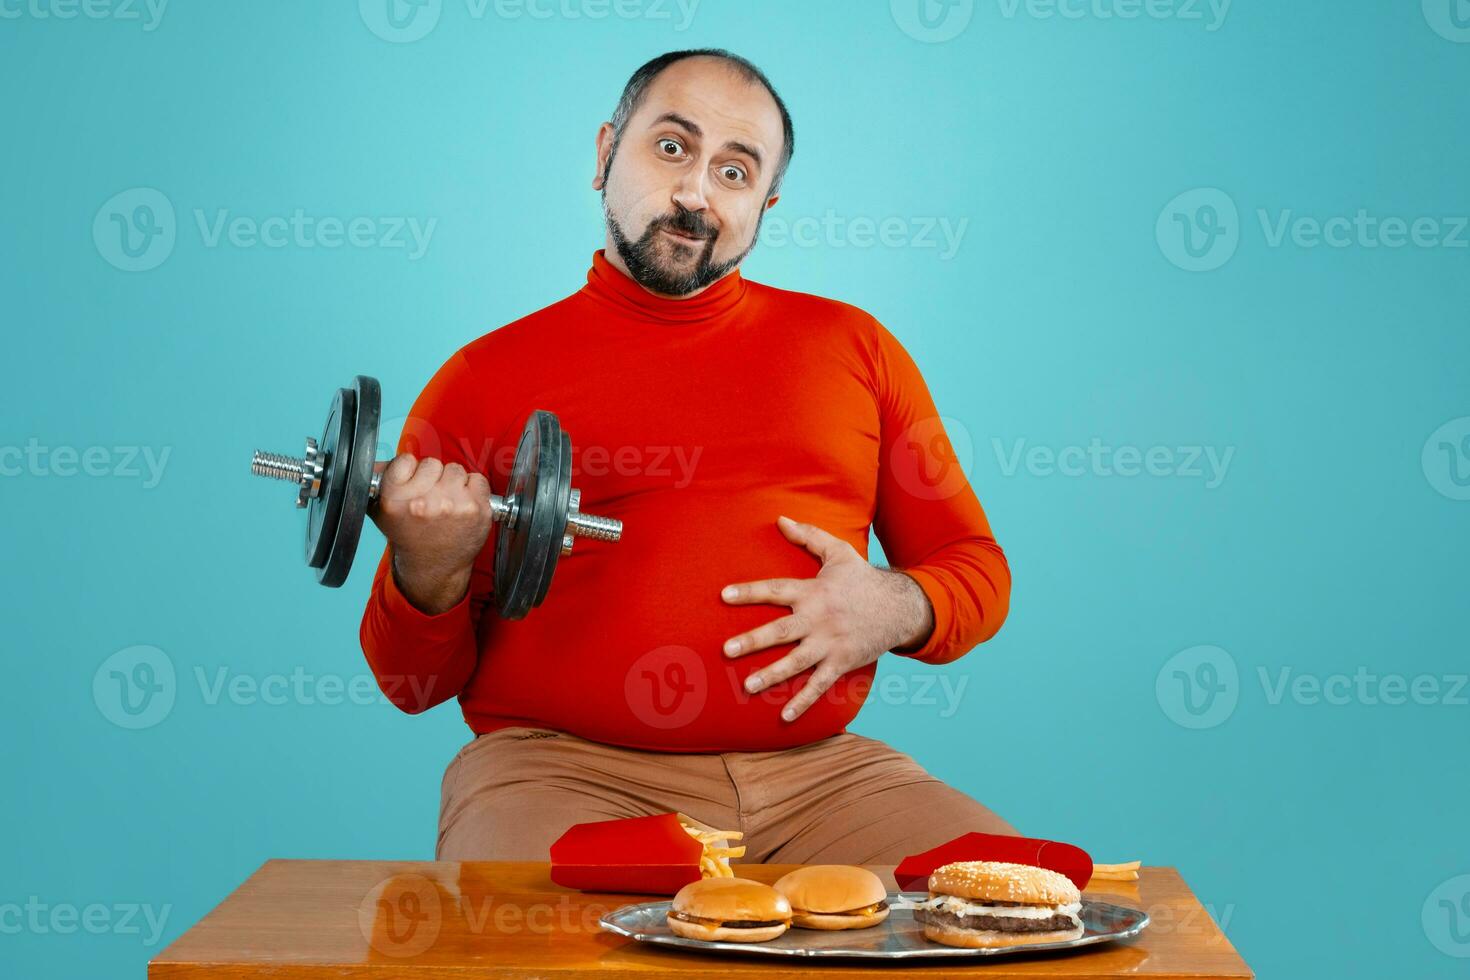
pixel 670 147
pixel 732 173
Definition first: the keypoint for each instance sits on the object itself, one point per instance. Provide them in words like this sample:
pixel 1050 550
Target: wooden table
pixel 419 920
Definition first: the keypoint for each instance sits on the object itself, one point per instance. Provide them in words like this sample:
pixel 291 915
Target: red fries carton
pixel 639 855
pixel 913 872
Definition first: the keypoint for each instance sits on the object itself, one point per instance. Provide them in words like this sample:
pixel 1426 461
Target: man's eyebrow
pixel 693 128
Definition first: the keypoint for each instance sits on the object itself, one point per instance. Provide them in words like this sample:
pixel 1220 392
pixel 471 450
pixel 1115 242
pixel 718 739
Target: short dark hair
pixel 637 88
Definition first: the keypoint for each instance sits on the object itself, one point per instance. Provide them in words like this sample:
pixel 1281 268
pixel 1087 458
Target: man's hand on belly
pixel 844 618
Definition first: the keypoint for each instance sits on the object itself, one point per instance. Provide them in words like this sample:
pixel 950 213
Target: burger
pixel 988 904
pixel 732 910
pixel 834 896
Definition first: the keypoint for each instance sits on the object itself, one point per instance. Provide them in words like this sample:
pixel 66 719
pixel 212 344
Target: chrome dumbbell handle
pixel 503 511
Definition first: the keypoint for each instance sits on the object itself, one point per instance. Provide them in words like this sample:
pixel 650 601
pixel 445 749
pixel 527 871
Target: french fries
pixel 1128 871
pixel 715 855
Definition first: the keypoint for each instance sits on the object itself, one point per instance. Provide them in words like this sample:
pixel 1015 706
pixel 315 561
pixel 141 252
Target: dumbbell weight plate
pixel 362 453
pixel 322 511
pixel 561 502
pixel 540 490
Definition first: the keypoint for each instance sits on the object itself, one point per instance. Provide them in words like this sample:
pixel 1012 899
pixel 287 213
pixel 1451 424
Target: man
pixel 748 437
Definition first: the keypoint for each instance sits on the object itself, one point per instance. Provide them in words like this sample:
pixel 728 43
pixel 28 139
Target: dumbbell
pixel 337 481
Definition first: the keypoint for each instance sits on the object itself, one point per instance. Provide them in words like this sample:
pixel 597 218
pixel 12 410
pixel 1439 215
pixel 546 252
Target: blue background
pixel 1061 318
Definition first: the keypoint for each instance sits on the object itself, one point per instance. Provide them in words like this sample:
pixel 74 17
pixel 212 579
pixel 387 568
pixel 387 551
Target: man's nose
pixel 689 192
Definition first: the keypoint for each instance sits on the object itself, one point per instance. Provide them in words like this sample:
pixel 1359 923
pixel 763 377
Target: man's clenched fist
pixel 436 518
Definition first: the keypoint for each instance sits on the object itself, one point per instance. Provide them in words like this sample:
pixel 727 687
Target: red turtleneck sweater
pixel 696 422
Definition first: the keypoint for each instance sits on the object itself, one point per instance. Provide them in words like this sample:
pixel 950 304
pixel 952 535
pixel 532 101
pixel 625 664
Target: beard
pixel 663 266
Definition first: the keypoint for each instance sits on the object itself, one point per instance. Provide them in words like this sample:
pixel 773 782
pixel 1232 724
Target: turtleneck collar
pixel 608 284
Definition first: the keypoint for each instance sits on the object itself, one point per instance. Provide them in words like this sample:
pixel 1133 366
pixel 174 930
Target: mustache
pixel 686 223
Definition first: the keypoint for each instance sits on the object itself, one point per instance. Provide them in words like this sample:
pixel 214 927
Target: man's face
pixel 686 187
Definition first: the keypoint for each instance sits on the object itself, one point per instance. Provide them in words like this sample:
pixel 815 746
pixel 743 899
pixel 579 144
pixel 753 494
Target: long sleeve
pixel 928 519
pixel 421 660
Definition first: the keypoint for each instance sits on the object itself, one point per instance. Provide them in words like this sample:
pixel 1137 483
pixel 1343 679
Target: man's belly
pixel 628 646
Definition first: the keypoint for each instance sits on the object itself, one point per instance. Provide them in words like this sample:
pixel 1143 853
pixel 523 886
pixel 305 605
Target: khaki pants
pixel 844 800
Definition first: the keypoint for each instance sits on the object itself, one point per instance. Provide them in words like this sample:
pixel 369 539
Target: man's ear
pixel 604 152
pixel 771 201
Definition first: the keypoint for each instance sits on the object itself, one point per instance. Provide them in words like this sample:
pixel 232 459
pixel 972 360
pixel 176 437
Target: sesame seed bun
pixel 834 896
pixel 718 902
pixel 996 881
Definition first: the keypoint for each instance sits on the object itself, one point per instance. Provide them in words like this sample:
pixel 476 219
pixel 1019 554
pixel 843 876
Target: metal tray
pixel 898 937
